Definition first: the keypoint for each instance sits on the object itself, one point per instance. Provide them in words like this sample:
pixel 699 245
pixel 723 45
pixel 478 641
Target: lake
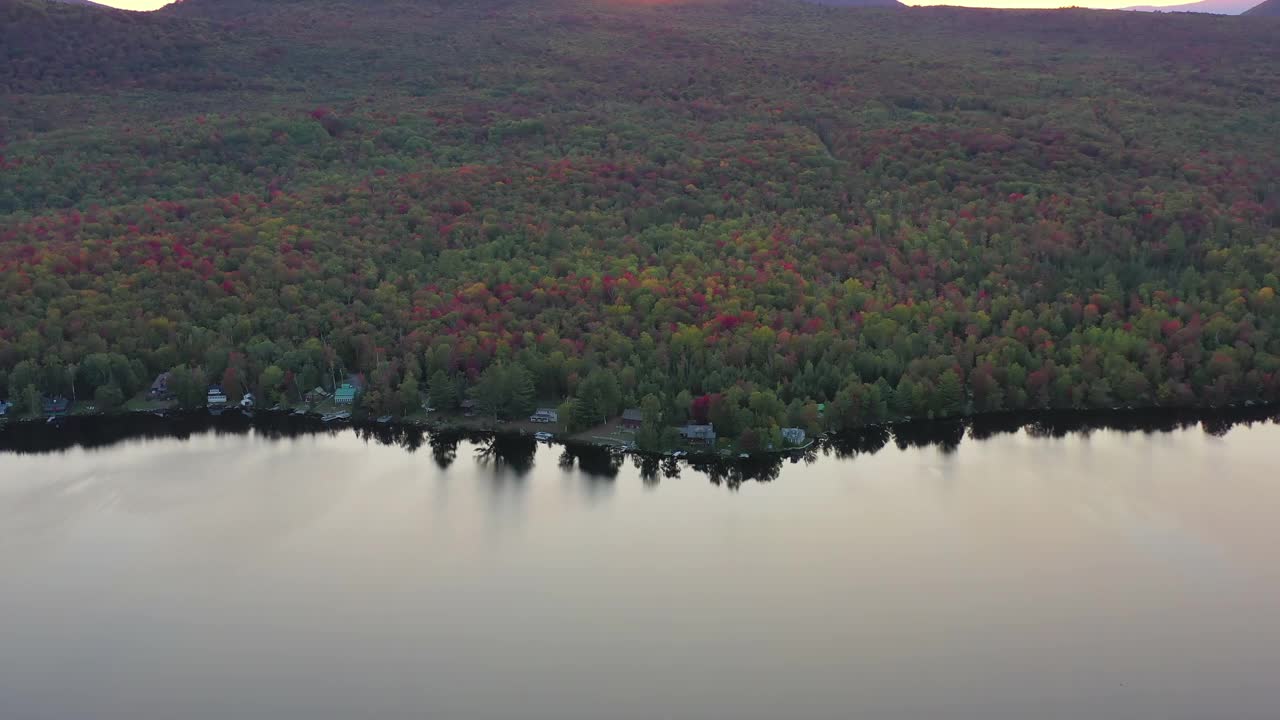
pixel 199 569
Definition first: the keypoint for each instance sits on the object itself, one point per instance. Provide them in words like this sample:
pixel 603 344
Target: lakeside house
pixel 544 415
pixel 216 398
pixel 247 402
pixel 468 407
pixel 346 395
pixel 4 408
pixel 55 405
pixel 704 434
pixel 632 418
pixel 793 436
pixel 160 388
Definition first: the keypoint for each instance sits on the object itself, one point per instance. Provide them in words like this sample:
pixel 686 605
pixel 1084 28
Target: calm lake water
pixel 257 574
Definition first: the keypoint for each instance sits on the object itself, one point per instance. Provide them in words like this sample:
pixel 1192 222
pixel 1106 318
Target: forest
pixel 755 213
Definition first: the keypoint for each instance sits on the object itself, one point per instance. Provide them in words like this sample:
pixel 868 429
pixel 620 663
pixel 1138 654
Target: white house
pixel 793 436
pixel 216 396
pixel 545 415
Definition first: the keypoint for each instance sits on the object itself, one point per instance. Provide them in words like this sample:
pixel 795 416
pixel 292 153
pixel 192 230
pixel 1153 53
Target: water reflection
pixel 512 456
pixel 594 461
pixel 987 572
pixel 653 469
pixel 507 454
pixel 444 448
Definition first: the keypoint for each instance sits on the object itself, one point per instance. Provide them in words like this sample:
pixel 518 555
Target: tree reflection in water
pixel 946 434
pixel 515 454
pixel 444 447
pixel 594 461
pixel 865 441
pixel 653 468
pixel 406 437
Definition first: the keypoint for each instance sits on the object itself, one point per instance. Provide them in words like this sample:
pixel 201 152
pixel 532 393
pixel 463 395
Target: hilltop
pixel 720 210
pixel 1269 8
pixel 1217 7
pixel 861 3
pixel 64 46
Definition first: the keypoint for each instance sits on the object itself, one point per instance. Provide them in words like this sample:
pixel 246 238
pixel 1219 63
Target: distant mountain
pixel 859 3
pixel 67 46
pixel 80 2
pixel 1216 7
pixel 1270 8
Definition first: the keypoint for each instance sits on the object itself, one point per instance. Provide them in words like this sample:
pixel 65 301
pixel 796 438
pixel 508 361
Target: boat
pixel 335 416
pixel 543 436
pixel 384 419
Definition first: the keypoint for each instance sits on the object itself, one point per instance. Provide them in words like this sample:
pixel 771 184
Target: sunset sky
pixel 153 4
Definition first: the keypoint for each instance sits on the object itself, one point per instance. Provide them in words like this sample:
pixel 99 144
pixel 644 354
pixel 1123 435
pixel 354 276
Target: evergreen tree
pixel 949 394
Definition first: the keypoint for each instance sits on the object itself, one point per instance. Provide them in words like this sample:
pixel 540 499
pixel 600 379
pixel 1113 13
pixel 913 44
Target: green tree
pixel 271 383
pixel 188 387
pixel 24 375
pixel 409 396
pixel 33 400
pixel 108 397
pixel 504 391
pixel 650 436
pixel 950 394
pixel 600 395
pixel 442 391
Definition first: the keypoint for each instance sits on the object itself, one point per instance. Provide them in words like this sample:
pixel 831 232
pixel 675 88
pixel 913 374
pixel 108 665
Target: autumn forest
pixel 756 213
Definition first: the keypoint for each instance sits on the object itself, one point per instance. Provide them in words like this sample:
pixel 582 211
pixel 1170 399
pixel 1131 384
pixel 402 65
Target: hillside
pixel 65 46
pixel 741 209
pixel 1270 8
pixel 861 3
pixel 1217 7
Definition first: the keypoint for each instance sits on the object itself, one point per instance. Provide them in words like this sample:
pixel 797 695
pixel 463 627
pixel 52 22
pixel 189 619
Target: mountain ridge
pixel 860 3
pixel 1214 7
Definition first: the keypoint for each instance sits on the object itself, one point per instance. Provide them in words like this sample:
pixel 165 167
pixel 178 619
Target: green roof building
pixel 346 394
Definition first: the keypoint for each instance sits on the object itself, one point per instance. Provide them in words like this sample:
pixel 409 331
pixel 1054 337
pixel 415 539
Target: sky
pixel 153 4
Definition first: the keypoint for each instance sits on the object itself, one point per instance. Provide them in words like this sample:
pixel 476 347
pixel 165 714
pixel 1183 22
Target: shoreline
pixel 95 429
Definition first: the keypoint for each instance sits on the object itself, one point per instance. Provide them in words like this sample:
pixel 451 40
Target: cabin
pixel 216 397
pixel 160 388
pixel 793 436
pixel 468 407
pixel 55 405
pixel 702 434
pixel 346 395
pixel 544 415
pixel 632 418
